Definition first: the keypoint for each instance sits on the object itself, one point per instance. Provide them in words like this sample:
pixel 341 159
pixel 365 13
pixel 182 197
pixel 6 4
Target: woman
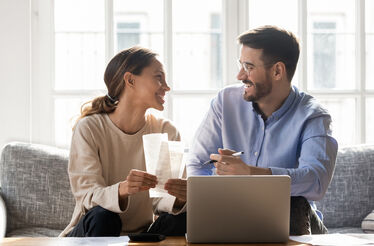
pixel 106 155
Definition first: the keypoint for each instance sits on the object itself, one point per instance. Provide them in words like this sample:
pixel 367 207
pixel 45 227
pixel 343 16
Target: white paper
pixel 164 159
pixel 95 241
pixel 331 239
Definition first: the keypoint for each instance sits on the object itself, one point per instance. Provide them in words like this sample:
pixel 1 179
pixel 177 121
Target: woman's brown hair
pixel 132 60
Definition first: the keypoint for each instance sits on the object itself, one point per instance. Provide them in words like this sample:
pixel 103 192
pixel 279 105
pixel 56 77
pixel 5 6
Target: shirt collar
pixel 285 106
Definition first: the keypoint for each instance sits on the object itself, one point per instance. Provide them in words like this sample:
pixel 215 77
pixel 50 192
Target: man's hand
pixel 232 165
pixel 177 188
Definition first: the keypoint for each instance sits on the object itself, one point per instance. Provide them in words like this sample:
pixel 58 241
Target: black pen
pixel 235 154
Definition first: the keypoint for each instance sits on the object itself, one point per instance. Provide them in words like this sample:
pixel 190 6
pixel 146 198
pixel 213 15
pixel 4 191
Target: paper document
pixel 92 241
pixel 331 239
pixel 164 159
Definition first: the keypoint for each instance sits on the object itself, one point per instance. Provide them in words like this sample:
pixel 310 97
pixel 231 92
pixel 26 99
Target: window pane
pixel 331 44
pixel 370 120
pixel 369 24
pixel 343 127
pixel 79 44
pixel 197 44
pixel 138 23
pixel 67 111
pixel 73 15
pixel 188 113
pixel 261 14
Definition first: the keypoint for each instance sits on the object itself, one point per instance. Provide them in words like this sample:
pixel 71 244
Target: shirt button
pixel 256 153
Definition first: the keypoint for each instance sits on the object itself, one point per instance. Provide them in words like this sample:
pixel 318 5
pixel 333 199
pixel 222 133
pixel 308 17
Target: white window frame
pixel 235 21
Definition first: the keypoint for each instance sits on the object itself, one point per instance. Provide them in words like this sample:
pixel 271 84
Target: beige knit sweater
pixel 101 156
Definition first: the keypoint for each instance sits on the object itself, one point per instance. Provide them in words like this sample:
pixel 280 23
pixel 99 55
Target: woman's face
pixel 151 86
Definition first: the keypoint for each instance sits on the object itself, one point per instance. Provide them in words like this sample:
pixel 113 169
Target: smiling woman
pixel 106 164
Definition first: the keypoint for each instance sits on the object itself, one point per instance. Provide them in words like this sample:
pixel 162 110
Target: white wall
pixel 15 67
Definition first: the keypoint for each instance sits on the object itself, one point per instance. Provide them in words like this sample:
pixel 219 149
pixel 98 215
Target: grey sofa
pixel 36 191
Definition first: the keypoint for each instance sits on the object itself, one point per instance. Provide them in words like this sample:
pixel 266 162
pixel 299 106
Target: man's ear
pixel 129 79
pixel 279 71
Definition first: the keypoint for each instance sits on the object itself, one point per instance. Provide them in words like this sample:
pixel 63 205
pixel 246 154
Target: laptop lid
pixel 234 209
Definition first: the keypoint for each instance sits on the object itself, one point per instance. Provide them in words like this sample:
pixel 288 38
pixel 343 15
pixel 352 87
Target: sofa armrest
pixel 2 217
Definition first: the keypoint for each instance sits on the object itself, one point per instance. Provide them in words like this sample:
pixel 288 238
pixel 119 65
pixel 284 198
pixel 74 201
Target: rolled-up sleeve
pixel 316 163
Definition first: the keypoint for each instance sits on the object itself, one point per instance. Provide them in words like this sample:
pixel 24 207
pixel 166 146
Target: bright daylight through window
pixel 337 48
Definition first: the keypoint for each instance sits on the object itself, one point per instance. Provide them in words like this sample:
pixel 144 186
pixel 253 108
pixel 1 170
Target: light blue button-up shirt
pixel 295 140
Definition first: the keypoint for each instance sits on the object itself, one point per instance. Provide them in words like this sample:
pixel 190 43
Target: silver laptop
pixel 238 209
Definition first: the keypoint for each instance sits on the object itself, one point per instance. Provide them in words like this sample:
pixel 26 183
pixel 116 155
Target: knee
pixel 300 205
pixel 104 223
pixel 300 216
pixel 105 216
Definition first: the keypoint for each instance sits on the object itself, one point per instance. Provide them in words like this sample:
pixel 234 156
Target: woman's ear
pixel 279 71
pixel 129 79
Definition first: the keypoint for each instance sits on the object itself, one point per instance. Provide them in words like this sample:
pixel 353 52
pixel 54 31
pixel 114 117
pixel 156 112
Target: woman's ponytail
pixel 132 60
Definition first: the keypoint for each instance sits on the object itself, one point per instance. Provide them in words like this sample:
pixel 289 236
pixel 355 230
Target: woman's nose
pixel 166 87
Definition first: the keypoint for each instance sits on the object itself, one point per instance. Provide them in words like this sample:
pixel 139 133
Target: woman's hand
pixel 137 181
pixel 177 188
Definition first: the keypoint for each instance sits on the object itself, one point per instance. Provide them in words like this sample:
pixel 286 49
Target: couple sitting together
pixel 281 130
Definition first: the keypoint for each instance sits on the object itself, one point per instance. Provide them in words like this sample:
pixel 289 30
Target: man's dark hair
pixel 278 45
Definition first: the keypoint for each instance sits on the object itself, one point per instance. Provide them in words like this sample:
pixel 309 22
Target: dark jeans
pixel 99 222
pixel 303 219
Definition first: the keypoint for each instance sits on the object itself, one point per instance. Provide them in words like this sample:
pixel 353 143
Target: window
pixel 128 34
pixel 196 46
pixel 324 54
pixel 332 54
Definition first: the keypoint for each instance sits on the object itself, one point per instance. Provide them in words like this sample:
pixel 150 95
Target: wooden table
pixel 55 241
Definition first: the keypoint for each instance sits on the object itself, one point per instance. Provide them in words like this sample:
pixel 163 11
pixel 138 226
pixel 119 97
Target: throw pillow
pixel 368 223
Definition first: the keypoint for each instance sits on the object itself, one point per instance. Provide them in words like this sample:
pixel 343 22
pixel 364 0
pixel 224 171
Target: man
pixel 281 130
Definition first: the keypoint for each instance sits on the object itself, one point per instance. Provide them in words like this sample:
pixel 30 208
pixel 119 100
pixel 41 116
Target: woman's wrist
pixel 123 195
pixel 178 204
pixel 123 190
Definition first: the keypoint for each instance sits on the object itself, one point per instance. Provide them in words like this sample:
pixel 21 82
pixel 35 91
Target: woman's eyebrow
pixel 160 71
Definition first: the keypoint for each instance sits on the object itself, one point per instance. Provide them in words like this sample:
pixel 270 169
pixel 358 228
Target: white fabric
pixel 368 223
pixel 2 218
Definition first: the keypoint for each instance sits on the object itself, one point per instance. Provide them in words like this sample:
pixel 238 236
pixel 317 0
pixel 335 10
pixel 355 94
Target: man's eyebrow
pixel 249 63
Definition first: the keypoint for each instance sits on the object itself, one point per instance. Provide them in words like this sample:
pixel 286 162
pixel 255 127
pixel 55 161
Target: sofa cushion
pixel 35 186
pixel 350 196
pixel 34 232
pixel 368 223
pixel 345 230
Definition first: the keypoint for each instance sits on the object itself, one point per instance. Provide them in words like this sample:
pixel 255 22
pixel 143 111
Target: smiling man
pixel 281 130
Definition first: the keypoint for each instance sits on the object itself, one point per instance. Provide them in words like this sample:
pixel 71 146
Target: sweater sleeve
pixel 85 172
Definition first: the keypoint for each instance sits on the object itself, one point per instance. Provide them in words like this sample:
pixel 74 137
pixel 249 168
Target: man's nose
pixel 242 75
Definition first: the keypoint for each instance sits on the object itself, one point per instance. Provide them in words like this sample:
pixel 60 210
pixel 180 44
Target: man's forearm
pixel 260 171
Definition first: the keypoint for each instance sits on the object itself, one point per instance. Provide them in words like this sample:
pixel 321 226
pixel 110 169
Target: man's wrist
pixel 260 171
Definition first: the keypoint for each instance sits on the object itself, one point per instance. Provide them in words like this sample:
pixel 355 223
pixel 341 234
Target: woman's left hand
pixel 177 188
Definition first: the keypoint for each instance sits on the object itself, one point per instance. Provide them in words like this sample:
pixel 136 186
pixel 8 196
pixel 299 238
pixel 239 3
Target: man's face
pixel 257 78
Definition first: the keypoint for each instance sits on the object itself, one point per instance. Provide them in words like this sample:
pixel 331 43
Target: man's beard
pixel 260 90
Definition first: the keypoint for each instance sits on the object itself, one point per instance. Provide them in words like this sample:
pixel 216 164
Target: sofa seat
pixel 34 232
pixel 345 230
